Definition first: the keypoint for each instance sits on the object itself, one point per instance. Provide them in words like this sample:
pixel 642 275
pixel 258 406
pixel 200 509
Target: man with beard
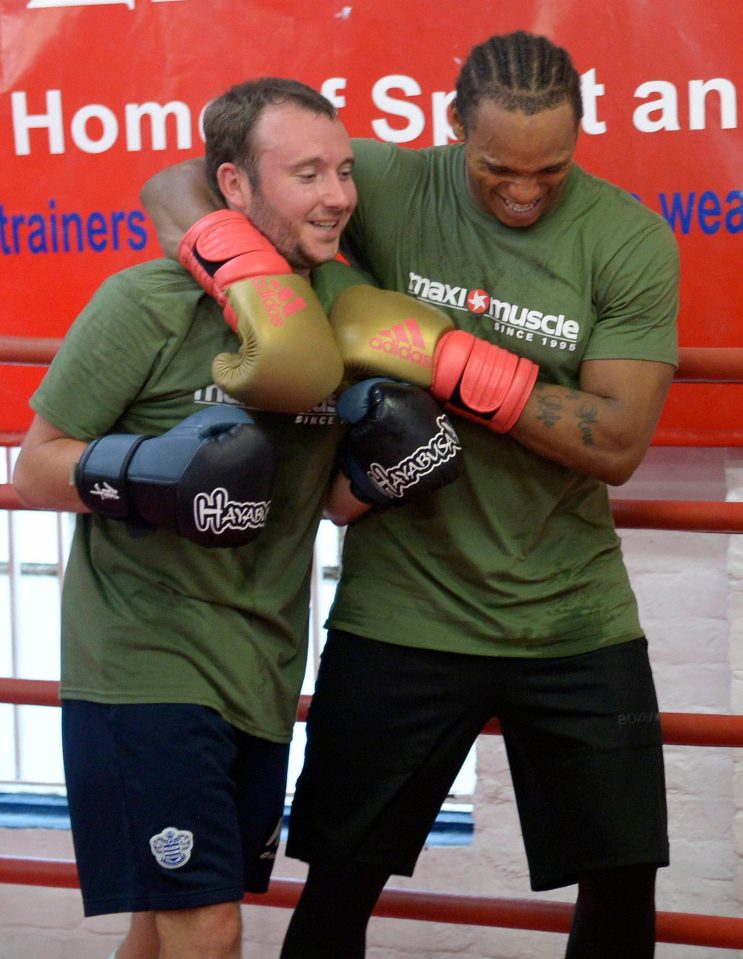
pixel 186 595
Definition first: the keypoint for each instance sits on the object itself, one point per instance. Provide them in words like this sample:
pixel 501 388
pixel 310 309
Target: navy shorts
pixel 390 726
pixel 171 807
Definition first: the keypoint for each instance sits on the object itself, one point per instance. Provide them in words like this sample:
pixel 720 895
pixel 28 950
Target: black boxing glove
pixel 401 445
pixel 207 479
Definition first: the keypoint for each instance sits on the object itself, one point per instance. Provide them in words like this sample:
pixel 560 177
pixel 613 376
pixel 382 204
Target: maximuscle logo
pixel 404 340
pixel 509 318
pixel 322 414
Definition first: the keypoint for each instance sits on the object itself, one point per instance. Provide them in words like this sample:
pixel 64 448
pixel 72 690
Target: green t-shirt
pixel 156 618
pixel 519 557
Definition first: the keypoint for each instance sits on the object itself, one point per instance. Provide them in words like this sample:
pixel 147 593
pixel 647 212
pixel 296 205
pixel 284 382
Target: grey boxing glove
pixel 207 479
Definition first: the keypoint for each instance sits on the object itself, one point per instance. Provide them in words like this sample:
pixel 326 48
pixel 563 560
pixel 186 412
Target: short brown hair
pixel 230 121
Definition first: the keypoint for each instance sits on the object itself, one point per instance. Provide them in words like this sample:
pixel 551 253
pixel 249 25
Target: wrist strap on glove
pixel 101 475
pixel 224 247
pixel 482 381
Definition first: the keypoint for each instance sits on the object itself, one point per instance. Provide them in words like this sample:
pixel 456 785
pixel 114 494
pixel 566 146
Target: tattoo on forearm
pixel 550 404
pixel 587 415
pixel 550 408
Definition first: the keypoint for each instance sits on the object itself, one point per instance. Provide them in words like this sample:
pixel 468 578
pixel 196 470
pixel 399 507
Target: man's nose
pixel 338 192
pixel 524 189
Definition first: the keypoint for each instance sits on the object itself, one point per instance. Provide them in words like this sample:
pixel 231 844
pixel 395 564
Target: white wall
pixel 690 589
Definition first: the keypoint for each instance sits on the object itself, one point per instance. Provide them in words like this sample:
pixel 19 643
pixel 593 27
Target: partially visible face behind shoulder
pixel 304 192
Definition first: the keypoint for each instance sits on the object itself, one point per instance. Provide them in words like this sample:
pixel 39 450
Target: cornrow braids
pixel 518 71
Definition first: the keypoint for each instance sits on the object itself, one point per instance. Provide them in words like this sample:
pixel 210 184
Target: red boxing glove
pixel 481 381
pixel 224 247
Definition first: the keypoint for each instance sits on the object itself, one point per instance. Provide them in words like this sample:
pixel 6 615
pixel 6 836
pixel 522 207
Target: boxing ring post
pixel 686 729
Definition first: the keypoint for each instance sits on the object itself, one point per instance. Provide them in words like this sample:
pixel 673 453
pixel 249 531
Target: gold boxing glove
pixel 381 333
pixel 288 360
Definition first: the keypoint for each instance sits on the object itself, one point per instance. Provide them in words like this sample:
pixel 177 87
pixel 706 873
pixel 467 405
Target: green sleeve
pixel 636 296
pixel 332 278
pixel 104 360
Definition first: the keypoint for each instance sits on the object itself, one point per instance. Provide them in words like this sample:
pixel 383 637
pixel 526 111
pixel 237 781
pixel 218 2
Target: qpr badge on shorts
pixel 172 847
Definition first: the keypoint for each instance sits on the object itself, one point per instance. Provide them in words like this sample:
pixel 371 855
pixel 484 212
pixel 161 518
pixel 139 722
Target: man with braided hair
pixel 508 596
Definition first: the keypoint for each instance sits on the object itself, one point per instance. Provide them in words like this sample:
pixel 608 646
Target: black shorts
pixel 390 726
pixel 171 807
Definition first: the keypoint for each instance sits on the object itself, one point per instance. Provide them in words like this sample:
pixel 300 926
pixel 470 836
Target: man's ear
pixel 235 187
pixel 455 122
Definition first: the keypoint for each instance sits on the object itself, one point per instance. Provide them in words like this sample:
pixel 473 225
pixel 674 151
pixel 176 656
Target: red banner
pixel 98 94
